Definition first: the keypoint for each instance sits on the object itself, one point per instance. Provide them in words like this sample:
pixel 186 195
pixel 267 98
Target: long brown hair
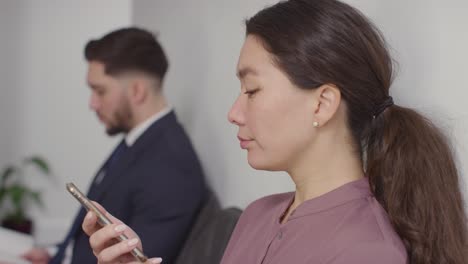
pixel 408 160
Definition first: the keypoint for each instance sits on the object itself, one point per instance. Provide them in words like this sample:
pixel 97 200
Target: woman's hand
pixel 103 240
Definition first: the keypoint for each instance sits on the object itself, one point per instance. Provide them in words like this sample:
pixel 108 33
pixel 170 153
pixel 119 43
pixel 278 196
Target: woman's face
pixel 275 118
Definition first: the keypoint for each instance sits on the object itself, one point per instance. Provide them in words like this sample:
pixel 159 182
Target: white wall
pixel 9 98
pixel 44 102
pixel 203 39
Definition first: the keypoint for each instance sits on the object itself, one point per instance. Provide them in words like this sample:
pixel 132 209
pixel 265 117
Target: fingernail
pixel 89 215
pixel 156 260
pixel 120 228
pixel 132 242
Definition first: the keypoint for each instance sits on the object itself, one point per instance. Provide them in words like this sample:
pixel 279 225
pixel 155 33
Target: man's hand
pixel 37 256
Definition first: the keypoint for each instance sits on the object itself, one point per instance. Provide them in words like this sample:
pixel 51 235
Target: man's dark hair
pixel 128 49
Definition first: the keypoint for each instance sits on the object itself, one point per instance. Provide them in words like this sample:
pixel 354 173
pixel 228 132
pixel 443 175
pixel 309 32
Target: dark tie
pixel 59 256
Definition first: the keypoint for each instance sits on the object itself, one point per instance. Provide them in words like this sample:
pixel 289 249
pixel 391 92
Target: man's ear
pixel 138 90
pixel 327 100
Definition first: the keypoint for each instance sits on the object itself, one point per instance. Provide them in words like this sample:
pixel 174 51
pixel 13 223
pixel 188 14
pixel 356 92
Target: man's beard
pixel 122 117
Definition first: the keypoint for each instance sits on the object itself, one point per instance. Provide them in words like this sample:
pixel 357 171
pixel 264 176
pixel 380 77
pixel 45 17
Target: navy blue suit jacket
pixel 156 188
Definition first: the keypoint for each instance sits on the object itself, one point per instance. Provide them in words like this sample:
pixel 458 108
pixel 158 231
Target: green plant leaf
pixel 16 193
pixel 7 173
pixel 19 194
pixel 16 216
pixel 40 163
pixel 2 196
pixel 36 197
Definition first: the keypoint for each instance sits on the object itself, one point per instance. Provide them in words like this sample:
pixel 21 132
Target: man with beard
pixel 153 180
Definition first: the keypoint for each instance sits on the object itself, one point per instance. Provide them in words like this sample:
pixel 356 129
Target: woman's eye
pixel 250 93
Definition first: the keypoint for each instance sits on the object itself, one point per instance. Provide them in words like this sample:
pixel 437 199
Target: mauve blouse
pixel 344 226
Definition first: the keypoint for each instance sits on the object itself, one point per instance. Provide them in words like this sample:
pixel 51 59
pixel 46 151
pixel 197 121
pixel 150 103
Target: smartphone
pixel 102 219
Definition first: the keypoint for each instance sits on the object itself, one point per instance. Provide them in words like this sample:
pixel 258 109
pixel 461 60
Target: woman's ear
pixel 328 98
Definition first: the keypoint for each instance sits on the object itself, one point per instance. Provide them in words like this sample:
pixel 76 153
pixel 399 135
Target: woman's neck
pixel 323 172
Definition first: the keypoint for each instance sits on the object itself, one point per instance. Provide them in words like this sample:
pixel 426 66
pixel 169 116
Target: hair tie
pixel 380 108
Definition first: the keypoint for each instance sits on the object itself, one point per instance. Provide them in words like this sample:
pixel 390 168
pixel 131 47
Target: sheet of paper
pixel 6 258
pixel 13 244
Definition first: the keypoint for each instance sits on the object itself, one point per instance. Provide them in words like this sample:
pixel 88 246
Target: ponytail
pixel 413 174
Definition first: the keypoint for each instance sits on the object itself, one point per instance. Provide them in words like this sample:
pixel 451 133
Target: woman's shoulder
pixel 370 252
pixel 365 235
pixel 270 203
pixel 366 228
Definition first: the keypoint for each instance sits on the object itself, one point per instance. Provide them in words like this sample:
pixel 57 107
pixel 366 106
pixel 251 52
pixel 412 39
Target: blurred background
pixel 44 98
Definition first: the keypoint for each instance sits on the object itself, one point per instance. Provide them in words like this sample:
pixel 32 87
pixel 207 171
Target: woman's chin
pixel 261 164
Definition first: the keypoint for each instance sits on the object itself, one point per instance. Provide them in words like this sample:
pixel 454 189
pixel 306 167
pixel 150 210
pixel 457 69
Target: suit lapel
pixel 112 175
pixel 98 191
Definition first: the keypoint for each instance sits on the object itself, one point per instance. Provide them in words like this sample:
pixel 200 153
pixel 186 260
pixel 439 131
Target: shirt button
pixel 280 235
